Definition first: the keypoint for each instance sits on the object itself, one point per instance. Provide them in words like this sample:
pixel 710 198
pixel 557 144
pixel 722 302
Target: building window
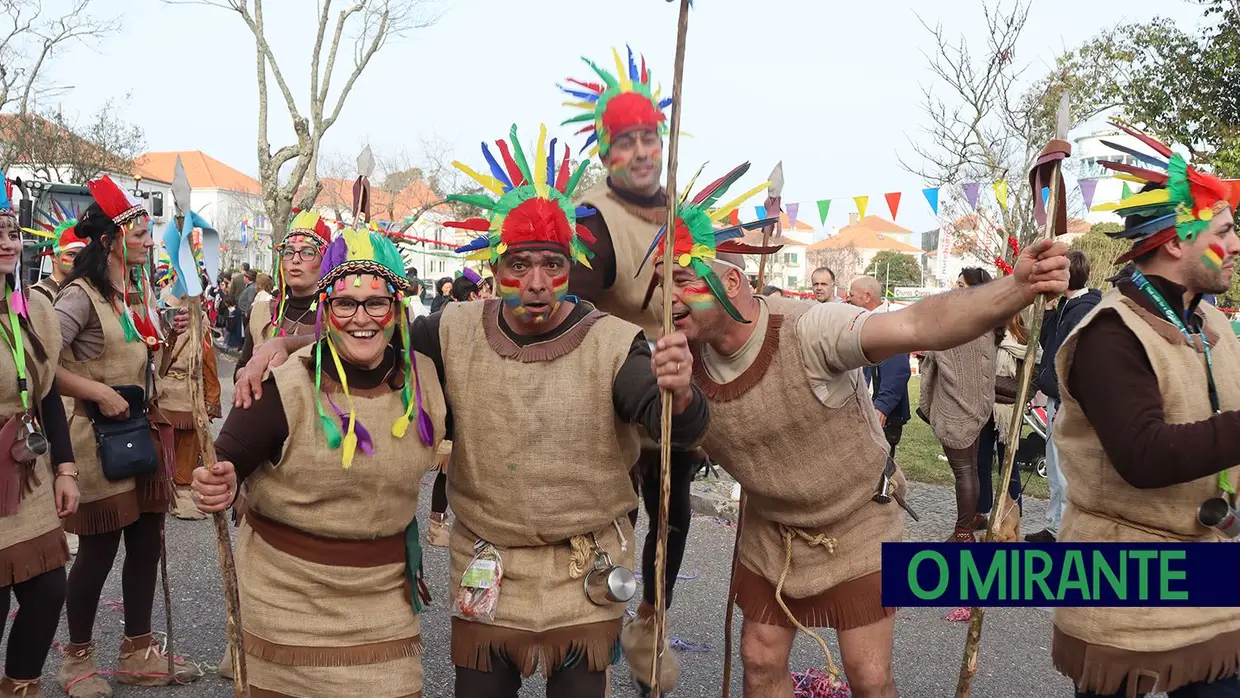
pixel 792 281
pixel 790 258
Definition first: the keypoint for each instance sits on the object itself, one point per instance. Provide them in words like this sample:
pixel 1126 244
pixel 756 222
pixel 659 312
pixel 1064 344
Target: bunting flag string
pixel 861 204
pixel 793 210
pixel 1087 192
pixel 823 207
pixel 932 197
pixel 970 193
pixel 1001 193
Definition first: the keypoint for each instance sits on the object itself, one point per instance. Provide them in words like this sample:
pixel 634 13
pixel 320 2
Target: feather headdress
pixel 1183 207
pixel 66 237
pixel 352 253
pixel 696 241
pixel 622 102
pixel 115 202
pixel 306 226
pixel 532 205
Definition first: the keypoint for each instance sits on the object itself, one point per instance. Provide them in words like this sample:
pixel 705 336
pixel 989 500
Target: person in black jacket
pixel 889 378
pixel 1056 326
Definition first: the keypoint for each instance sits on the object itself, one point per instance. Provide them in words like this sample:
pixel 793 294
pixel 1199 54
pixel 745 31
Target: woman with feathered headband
pixel 328 556
pixel 111 337
pixel 35 491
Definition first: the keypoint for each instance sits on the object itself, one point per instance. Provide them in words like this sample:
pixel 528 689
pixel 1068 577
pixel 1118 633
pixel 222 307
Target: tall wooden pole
pixel 665 440
pixel 972 645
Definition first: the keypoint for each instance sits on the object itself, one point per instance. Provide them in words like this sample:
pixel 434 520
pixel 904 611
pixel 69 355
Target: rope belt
pixel 787 533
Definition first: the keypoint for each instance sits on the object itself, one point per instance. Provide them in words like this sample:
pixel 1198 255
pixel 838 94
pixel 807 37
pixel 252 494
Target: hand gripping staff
pixel 1045 173
pixel 178 239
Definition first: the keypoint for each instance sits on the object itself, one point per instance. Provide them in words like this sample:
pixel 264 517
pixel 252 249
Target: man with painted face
pixel 1148 431
pixel 66 249
pixel 291 311
pixel 626 124
pixel 766 363
pixel 535 514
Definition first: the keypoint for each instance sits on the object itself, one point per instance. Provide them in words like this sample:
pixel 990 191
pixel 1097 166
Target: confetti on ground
pixel 680 644
pixel 118 606
pixel 817 683
pixel 959 615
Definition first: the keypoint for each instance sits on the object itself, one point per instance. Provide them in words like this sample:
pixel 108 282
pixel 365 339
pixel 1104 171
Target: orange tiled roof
pixel 204 171
pixel 339 193
pixel 863 238
pixel 881 225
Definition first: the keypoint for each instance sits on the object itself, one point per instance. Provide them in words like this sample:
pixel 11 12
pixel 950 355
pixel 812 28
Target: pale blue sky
pixel 831 88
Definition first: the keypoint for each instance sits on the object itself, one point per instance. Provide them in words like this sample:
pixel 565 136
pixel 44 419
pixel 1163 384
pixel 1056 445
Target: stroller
pixel 1031 452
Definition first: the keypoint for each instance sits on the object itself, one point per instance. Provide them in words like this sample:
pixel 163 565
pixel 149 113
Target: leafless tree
pixel 369 24
pixel 58 148
pixel 227 218
pixel 844 261
pixel 31 36
pixel 984 127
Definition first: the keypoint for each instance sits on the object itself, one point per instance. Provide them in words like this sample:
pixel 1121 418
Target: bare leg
pixel 866 652
pixel 764 655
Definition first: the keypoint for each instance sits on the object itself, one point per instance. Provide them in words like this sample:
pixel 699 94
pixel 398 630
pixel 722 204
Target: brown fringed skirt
pixel 853 604
pixel 1101 669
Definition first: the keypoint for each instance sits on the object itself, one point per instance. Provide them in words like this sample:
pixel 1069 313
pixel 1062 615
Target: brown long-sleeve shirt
pixel 1114 382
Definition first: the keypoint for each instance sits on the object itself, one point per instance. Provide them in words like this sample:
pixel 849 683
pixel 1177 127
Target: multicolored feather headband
pixel 696 241
pixel 623 102
pixel 308 227
pixel 532 207
pixel 67 238
pixel 1183 206
pixel 351 254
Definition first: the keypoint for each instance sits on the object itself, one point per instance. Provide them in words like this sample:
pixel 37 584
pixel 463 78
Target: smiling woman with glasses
pixel 331 490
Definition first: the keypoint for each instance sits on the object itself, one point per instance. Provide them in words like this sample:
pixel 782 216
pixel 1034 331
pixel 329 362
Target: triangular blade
pixel 1061 119
pixel 776 189
pixel 180 188
pixel 366 163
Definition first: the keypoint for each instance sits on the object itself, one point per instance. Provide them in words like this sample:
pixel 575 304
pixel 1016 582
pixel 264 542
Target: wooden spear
pixel 972 645
pixel 206 445
pixel 665 440
pixel 774 197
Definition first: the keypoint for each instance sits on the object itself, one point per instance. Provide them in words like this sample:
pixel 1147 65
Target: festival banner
pixel 893 202
pixel 861 204
pixel 823 207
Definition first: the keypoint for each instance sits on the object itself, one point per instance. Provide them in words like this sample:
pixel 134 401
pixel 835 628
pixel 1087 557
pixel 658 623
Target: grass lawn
pixel 921 456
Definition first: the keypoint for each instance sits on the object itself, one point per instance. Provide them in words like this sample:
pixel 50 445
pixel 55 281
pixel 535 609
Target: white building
pixel 849 251
pixel 1089 151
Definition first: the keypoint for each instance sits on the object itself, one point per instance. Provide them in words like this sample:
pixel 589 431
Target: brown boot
pixel 185 508
pixel 144 663
pixel 78 675
pixel 440 532
pixel 637 639
pixel 12 688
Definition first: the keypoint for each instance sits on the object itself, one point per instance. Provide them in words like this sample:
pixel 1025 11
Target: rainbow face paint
pixel 698 297
pixel 1214 256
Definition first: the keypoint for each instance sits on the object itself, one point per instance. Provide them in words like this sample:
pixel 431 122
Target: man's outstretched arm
pixel 947 320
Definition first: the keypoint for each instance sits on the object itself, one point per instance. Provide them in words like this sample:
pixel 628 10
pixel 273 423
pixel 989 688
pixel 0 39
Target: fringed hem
pixel 180 420
pixel 475 644
pixel 852 604
pixel 539 351
pixel 103 516
pixel 31 558
pixel 353 655
pixel 1101 669
pixel 726 392
pixel 256 692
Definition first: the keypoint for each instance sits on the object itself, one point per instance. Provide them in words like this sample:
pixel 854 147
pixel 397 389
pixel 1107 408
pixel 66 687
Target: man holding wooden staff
pixel 626 121
pixel 1149 431
pixel 793 423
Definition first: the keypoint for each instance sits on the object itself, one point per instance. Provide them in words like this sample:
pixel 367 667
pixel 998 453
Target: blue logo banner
pixel 1061 574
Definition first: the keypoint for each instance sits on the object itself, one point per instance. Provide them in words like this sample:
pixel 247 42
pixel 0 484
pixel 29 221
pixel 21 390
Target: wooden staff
pixel 972 644
pixel 665 441
pixel 206 447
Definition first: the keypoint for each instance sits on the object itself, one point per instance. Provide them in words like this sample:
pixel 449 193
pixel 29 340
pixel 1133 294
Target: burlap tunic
pixel 262 329
pixel 344 629
pixel 539 458
pixel 108 506
pixel 31 541
pixel 809 471
pixel 631 235
pixel 1100 647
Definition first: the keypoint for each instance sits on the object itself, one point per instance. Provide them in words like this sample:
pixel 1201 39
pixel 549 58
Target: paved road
pixel 1015 661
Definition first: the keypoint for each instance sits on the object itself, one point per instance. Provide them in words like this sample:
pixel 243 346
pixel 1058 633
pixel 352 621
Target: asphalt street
pixel 1015 657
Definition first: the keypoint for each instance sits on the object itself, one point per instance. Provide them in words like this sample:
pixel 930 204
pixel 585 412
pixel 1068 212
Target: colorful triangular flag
pixel 861 204
pixel 1046 195
pixel 793 209
pixel 1087 191
pixel 893 202
pixel 970 193
pixel 1001 193
pixel 734 218
pixel 761 211
pixel 823 207
pixel 932 197
pixel 1126 193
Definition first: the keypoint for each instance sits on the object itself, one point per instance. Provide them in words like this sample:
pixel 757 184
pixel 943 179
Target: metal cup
pixel 1216 513
pixel 608 583
pixel 30 445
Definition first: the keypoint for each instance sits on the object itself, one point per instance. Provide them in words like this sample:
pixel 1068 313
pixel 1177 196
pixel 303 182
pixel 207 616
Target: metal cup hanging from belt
pixel 608 583
pixel 1217 513
pixel 30 444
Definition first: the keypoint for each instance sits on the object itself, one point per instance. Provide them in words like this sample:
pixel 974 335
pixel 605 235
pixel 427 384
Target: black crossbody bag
pixel 126 446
